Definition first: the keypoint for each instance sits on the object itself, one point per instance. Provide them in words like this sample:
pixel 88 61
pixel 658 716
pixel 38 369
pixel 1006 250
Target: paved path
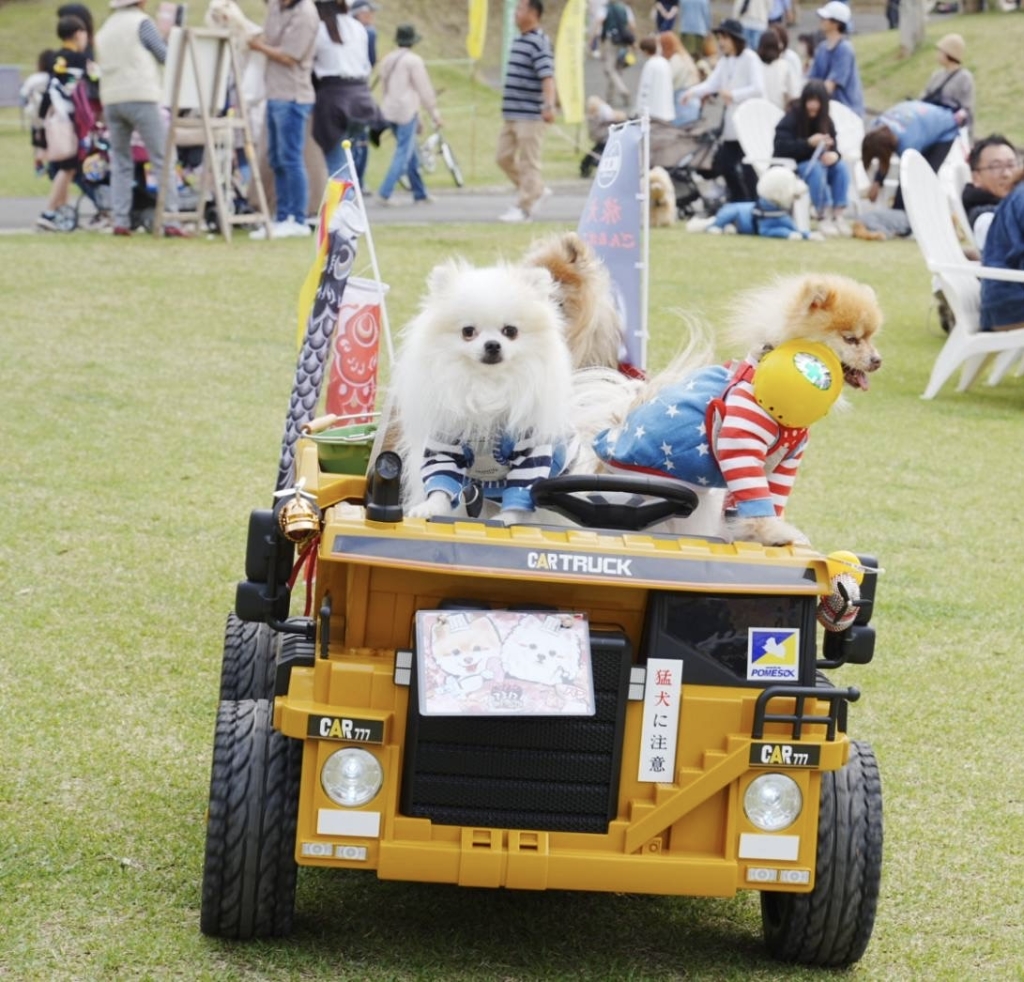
pixel 483 204
pixel 563 205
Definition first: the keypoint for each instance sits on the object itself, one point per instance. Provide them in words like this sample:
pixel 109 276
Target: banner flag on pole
pixel 569 54
pixel 341 223
pixel 477 32
pixel 615 225
pixel 352 379
pixel 508 33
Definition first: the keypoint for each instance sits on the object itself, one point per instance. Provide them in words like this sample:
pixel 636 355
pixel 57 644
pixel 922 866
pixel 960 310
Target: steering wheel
pixel 565 495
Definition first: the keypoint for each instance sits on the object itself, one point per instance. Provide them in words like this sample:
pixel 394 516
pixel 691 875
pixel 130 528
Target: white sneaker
pixel 514 214
pixel 828 228
pixel 277 230
pixel 843 227
pixel 297 230
pixel 387 202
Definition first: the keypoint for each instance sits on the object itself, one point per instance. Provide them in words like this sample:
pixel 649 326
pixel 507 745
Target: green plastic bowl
pixel 345 449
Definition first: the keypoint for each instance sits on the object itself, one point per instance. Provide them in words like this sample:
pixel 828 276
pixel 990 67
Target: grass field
pixel 143 389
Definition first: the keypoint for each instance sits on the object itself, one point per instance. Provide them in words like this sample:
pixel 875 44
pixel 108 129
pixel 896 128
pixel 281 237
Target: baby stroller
pixel 600 117
pixel 93 206
pixel 687 155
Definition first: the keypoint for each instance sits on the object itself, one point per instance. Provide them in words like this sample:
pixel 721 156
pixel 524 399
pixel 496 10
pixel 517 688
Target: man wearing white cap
pixel 951 85
pixel 835 62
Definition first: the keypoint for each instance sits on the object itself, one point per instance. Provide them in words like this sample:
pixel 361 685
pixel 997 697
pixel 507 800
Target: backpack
pixel 616 25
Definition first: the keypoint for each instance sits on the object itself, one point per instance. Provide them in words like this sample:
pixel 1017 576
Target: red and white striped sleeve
pixel 758 459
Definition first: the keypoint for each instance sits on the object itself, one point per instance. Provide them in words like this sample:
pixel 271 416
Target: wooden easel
pixel 211 55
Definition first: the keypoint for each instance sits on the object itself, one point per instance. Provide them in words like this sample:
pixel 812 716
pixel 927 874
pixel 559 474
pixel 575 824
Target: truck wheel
pixel 832 924
pixel 250 870
pixel 250 660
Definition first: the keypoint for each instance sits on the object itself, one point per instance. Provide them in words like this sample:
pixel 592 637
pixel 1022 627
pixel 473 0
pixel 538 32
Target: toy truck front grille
pixel 553 774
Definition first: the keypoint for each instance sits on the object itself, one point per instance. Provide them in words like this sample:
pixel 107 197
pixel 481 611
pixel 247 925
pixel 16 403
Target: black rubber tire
pixel 249 665
pixel 249 872
pixel 831 925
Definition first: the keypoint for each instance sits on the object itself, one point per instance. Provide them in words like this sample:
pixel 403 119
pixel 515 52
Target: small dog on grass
pixel 771 215
pixel 481 389
pixel 742 426
pixel 661 198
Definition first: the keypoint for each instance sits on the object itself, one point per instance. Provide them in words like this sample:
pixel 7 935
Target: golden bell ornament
pixel 297 514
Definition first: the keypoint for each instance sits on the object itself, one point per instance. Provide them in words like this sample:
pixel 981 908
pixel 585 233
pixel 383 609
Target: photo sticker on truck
pixel 784 755
pixel 346 728
pixel 773 654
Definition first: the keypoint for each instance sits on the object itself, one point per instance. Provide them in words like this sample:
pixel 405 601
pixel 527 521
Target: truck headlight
pixel 351 777
pixel 773 802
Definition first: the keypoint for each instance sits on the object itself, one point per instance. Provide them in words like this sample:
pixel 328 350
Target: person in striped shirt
pixel 708 430
pixel 527 105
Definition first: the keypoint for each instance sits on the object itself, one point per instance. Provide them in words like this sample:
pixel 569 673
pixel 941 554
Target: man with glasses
pixel 993 163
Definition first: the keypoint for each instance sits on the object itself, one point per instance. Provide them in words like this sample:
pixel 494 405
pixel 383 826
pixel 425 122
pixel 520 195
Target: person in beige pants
pixel 527 105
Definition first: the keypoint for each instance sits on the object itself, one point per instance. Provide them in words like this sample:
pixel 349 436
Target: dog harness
pixel 708 430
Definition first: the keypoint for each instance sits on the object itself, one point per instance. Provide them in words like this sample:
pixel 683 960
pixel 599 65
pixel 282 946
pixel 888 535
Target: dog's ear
pixel 573 246
pixel 817 295
pixel 442 276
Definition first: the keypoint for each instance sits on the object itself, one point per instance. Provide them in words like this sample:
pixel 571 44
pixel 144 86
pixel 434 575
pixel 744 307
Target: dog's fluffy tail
pixel 602 398
pixel 697 353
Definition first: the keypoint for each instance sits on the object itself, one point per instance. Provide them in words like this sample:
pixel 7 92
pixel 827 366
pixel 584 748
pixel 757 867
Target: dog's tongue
pixel 857 378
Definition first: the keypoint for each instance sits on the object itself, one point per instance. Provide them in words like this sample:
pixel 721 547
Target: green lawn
pixel 143 389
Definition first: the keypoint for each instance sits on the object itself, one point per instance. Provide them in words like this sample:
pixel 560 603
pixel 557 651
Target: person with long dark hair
pixel 807 135
pixel 344 108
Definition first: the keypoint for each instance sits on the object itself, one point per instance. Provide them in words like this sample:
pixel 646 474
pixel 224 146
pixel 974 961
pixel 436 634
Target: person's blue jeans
pixel 286 141
pixel 826 184
pixel 404 161
pixel 753 37
pixel 335 160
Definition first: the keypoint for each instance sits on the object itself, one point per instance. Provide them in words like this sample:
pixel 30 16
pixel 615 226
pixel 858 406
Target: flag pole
pixel 346 145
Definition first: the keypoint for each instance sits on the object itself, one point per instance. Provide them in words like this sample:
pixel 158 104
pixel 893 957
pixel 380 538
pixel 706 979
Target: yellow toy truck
pixel 596 706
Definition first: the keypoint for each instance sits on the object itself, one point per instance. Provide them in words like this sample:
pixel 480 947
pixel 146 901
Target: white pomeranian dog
pixel 482 388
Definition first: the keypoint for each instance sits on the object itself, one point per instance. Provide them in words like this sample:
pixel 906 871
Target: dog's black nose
pixel 492 352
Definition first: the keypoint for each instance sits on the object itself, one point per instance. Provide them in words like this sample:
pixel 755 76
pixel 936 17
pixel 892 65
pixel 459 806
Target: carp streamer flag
pixel 341 223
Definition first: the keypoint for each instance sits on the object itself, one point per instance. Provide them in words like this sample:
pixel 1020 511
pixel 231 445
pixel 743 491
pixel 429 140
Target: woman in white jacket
pixel 737 76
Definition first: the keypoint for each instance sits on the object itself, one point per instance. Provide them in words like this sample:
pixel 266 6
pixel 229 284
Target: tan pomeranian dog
pixel 741 427
pixel 661 198
pixel 481 389
pixel 593 325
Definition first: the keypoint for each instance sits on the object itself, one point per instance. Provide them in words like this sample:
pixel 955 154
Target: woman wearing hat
pixel 951 85
pixel 738 75
pixel 406 88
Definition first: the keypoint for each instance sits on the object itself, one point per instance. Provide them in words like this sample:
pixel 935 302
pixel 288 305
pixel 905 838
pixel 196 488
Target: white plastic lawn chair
pixel 849 137
pixel 967 348
pixel 755 121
